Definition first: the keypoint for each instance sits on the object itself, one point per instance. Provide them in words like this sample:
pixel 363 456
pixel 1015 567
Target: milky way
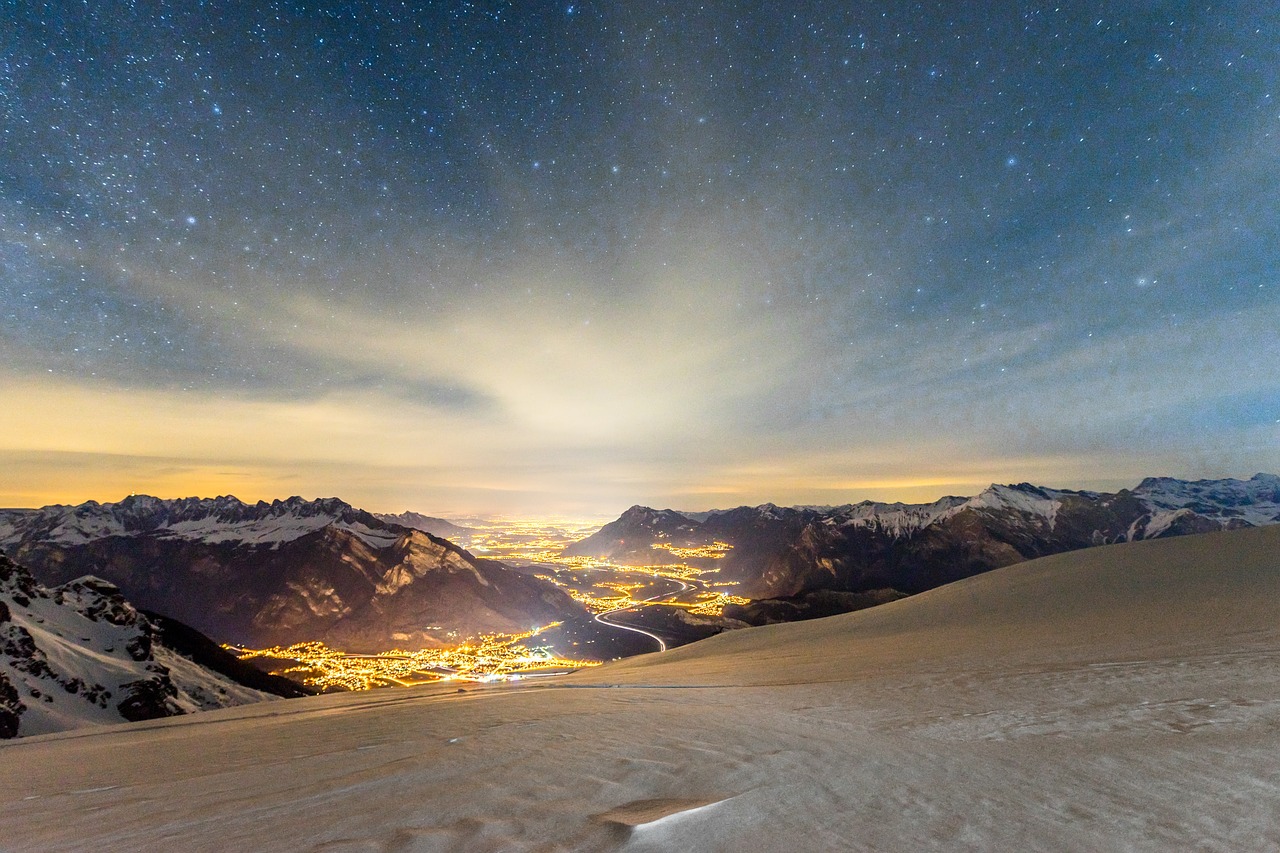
pixel 533 257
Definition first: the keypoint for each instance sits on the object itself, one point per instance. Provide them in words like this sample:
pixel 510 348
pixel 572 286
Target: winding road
pixel 600 617
pixel 662 644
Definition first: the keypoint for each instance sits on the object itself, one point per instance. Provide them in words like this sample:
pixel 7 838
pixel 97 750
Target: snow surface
pixel 1121 698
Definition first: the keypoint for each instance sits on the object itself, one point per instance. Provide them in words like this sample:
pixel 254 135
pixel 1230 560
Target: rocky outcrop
pixel 150 698
pixel 80 653
pixel 11 708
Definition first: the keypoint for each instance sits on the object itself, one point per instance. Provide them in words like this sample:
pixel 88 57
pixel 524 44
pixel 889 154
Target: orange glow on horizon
pixel 72 441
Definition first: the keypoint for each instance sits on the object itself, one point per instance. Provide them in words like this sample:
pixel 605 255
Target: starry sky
pixel 562 258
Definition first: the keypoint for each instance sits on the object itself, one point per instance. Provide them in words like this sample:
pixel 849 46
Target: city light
pixel 714 551
pixel 491 657
pixel 537 547
pixel 713 603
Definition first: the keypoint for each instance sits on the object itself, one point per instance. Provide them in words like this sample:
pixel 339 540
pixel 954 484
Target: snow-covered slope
pixel 1023 497
pixel 1118 698
pixel 79 654
pixel 1255 501
pixel 899 519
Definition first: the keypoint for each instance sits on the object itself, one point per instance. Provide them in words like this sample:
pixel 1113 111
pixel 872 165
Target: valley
pixel 631 610
pixel 1122 697
pixel 338 598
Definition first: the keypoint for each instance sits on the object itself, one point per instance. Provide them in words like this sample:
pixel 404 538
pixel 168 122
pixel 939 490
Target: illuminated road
pixel 662 644
pixel 601 618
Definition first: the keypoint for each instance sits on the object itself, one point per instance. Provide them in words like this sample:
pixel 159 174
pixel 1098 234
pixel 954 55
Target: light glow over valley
pixel 536 546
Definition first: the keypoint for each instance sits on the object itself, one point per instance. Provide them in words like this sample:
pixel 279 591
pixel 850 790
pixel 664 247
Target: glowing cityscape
pixel 492 657
pixel 602 587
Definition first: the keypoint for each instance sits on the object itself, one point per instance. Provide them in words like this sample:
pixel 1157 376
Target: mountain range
pixel 281 572
pixel 783 552
pixel 80 654
pixel 291 570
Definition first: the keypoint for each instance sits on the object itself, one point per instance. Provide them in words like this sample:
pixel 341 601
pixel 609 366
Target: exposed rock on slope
pixel 283 572
pixel 80 654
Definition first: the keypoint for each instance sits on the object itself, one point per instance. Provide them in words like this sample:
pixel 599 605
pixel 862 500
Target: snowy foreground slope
pixel 1124 697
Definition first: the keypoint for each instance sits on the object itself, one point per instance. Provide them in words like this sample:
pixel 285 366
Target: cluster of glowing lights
pixel 680 572
pixel 714 551
pixel 713 603
pixel 606 604
pixel 542 542
pixel 509 657
pixel 491 657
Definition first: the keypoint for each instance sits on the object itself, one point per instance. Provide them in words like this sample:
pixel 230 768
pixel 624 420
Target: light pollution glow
pixel 538 264
pixel 72 440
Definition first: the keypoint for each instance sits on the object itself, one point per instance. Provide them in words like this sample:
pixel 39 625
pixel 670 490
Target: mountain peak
pixel 648 513
pixel 441 527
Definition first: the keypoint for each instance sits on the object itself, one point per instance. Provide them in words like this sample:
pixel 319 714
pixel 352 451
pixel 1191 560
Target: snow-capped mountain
pixel 1255 501
pixel 912 547
pixel 208 520
pixel 282 572
pixel 895 518
pixel 80 654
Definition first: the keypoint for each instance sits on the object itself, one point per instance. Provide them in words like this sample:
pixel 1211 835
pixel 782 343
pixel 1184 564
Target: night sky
pixel 525 257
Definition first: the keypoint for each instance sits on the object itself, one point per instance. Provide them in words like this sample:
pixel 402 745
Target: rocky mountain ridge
pixel 209 520
pixel 786 552
pixel 80 654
